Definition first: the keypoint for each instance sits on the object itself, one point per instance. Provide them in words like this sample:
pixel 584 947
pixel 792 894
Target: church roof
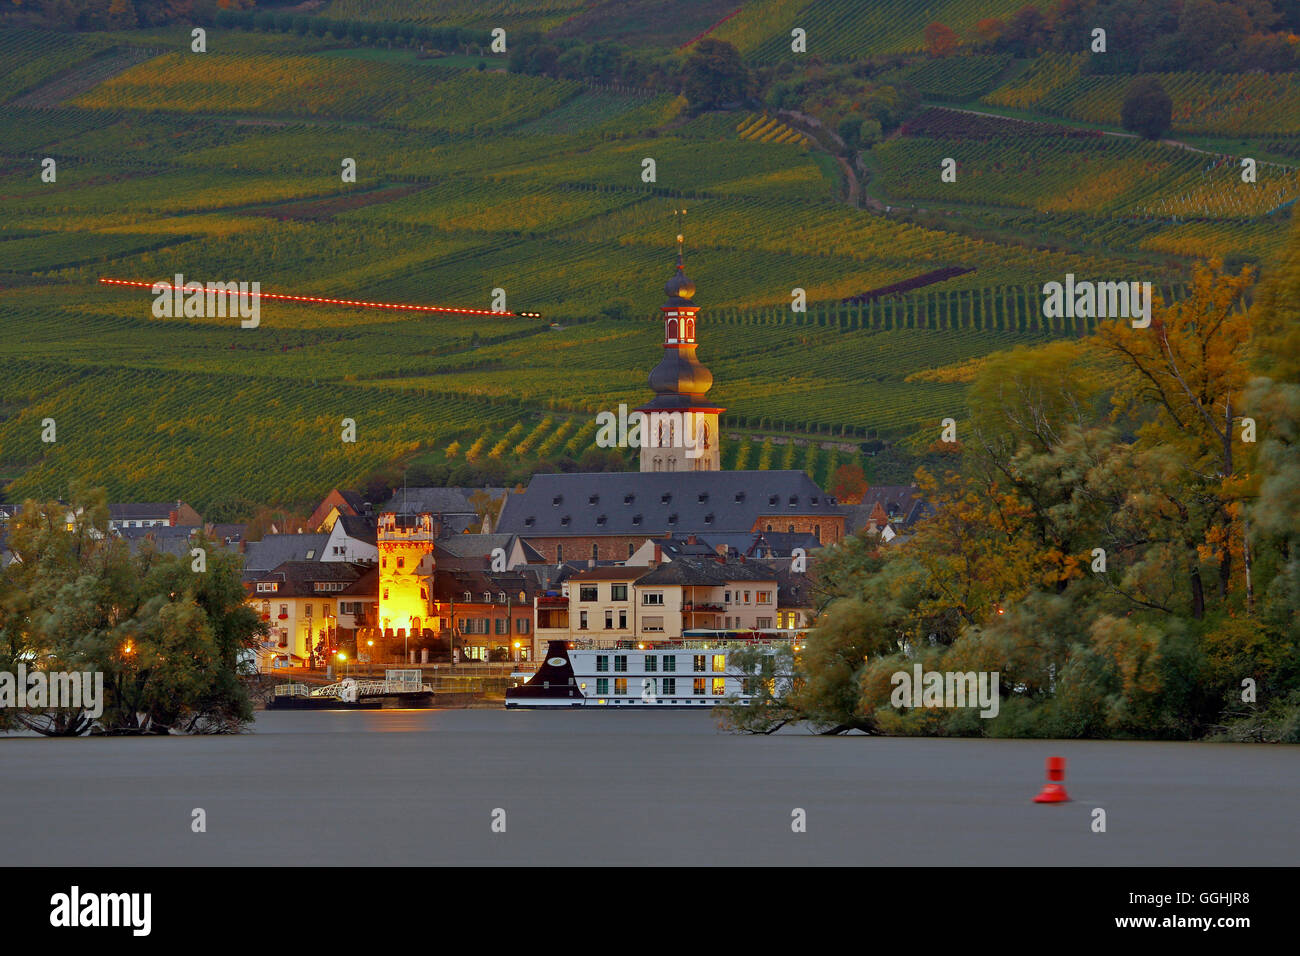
pixel 655 503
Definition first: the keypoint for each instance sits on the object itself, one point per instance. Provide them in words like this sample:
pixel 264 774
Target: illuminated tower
pixel 406 567
pixel 680 429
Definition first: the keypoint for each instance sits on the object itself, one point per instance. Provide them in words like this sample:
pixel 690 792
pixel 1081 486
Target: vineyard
pixel 842 29
pixel 227 167
pixel 1055 169
pixel 1231 104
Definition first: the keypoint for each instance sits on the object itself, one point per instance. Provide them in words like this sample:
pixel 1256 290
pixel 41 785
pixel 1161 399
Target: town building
pixel 609 515
pixel 298 600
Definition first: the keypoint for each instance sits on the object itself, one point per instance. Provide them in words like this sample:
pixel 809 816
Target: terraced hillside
pixel 475 183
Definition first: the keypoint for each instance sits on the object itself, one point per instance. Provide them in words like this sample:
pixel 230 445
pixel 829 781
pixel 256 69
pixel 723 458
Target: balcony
pixel 691 608
pixel 553 600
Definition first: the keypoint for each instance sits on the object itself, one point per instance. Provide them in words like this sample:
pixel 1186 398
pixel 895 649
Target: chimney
pixel 243 545
pixel 659 555
pixel 690 539
pixel 173 518
pixel 721 559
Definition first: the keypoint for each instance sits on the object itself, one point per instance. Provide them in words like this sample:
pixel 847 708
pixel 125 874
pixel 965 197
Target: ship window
pixel 698 686
pixel 719 663
pixel 670 686
pixel 651 662
pixel 698 663
pixel 719 686
pixel 670 662
pixel 602 662
pixel 620 686
pixel 620 663
pixel 602 686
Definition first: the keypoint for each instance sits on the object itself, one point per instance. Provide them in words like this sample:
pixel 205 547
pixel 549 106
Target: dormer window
pixel 771 499
pixel 564 522
pixel 814 499
pixel 636 519
pixel 794 500
pixel 708 518
pixel 704 496
pixel 555 502
pixel 628 499
pixel 501 598
pixel 600 519
pixel 740 496
pixel 593 499
pixel 487 597
pixel 529 521
pixel 667 497
pixel 672 518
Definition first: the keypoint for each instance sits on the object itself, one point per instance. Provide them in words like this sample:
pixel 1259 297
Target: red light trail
pixel 321 300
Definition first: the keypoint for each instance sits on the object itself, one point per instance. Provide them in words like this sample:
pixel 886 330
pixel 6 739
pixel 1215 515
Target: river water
pixel 608 787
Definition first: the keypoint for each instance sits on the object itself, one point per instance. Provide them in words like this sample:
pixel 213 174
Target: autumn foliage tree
pixel 1118 539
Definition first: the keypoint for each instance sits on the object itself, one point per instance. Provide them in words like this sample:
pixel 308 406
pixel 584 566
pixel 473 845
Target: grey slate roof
pixel 297 578
pixel 901 503
pixel 435 500
pixel 141 510
pixel 609 503
pixel 275 549
pixel 706 573
pixel 360 527
pixel 482 546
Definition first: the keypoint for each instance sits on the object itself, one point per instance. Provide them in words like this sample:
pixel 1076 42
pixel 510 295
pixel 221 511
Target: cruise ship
pixel 693 672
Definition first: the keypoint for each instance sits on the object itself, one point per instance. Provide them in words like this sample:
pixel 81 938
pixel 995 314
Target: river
pixel 608 787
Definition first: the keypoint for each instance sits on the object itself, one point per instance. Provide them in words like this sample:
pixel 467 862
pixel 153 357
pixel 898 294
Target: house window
pixel 698 686
pixel 763 623
pixel 385 594
pixel 653 597
pixel 582 620
pixel 631 549
pixel 746 597
pixel 618 592
pixel 719 686
pixel 602 662
pixel 698 663
pixel 817 531
pixel 727 625
pixel 503 625
pixel 401 562
pixel 609 620
pixel 587 592
pixel 652 623
pixel 559 554
pixel 595 552
pixel 726 597
pixel 670 686
pixel 521 625
pixel 620 663
pixel 307 610
pixel 651 663
pixel 790 529
pixel 622 620
pixel 620 686
pixel 764 597
pixel 602 686
pixel 670 662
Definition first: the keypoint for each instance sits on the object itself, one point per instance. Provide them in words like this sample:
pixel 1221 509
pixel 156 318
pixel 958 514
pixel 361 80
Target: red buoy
pixel 1054 790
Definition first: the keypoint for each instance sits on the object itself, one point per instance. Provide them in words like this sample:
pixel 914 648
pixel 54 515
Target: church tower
pixel 680 429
